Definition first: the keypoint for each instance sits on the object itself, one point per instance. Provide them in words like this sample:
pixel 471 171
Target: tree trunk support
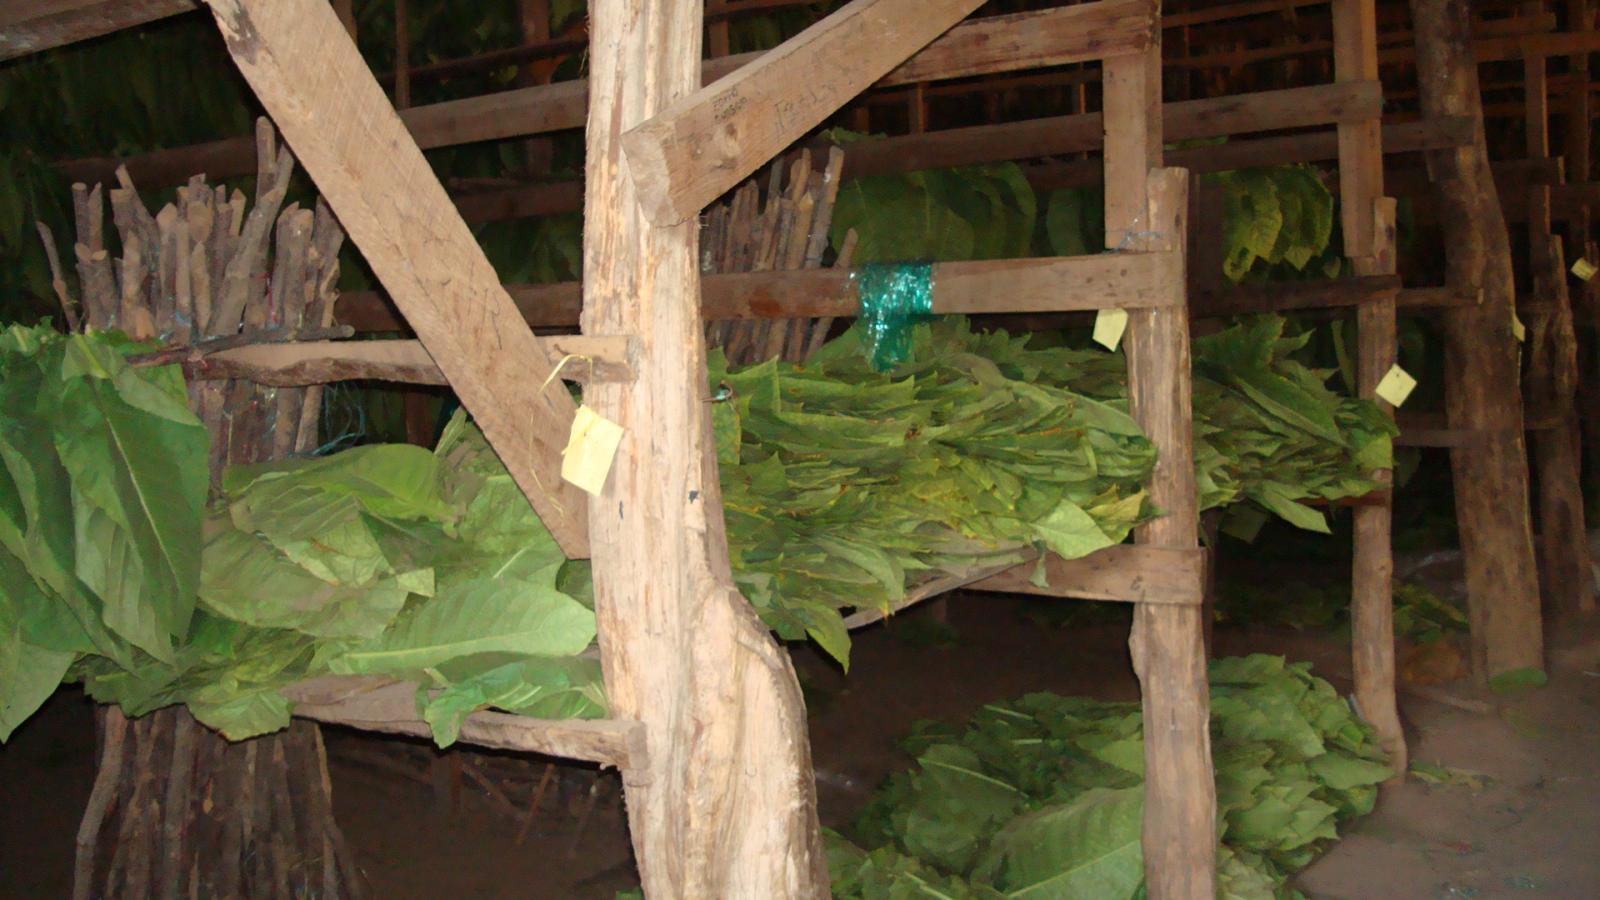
pixel 726 806
pixel 1481 360
pixel 1552 379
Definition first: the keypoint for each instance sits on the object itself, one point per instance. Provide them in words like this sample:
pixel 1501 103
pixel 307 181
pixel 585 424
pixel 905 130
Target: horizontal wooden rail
pixel 1315 146
pixel 1402 137
pixel 1285 296
pixel 1050 284
pixel 942 585
pixel 1430 429
pixel 1129 573
pixel 1328 104
pixel 589 360
pixel 1436 298
pixel 29 27
pixel 377 703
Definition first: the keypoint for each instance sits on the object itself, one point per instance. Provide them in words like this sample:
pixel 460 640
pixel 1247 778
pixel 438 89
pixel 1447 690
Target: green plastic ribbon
pixel 893 297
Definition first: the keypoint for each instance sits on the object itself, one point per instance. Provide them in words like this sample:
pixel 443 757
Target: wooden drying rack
pixel 692 676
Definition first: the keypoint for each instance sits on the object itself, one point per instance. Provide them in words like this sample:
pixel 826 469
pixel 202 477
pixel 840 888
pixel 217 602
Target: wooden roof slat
pixel 29 26
pixel 1186 120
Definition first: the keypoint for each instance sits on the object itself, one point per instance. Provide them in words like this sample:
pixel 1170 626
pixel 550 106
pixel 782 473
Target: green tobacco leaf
pixel 398 481
pixel 481 615
pixel 957 809
pixel 28 676
pixel 245 579
pixel 1517 680
pixel 138 471
pixel 1275 498
pixel 1087 848
pixel 1071 533
pixel 1292 763
pixel 545 688
pixel 242 718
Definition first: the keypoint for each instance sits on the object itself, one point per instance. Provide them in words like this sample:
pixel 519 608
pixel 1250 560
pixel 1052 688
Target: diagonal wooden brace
pixel 304 67
pixel 699 147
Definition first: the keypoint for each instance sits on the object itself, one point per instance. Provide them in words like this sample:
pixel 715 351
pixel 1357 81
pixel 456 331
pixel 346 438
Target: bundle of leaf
pixel 385 559
pixel 1042 796
pixel 1276 223
pixel 969 212
pixel 843 486
pixel 1420 615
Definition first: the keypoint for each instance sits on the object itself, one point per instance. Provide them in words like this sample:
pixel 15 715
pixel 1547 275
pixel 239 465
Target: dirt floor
pixel 1522 819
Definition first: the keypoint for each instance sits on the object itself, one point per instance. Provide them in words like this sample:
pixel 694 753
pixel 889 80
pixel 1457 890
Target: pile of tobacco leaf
pixel 385 559
pixel 842 486
pixel 1043 796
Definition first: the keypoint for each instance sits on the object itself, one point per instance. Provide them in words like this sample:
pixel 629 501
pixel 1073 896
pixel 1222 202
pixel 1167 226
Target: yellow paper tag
pixel 1584 269
pixel 1109 325
pixel 1518 330
pixel 1396 385
pixel 591 448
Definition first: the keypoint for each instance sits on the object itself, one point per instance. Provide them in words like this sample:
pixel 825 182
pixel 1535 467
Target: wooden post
pixel 1552 379
pixel 402 56
pixel 1580 16
pixel 717 38
pixel 1481 358
pixel 1145 209
pixel 1368 227
pixel 726 806
pixel 534 16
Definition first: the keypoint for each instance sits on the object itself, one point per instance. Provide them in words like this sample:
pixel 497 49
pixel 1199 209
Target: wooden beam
pixel 1535 46
pixel 705 143
pixel 307 73
pixel 1046 284
pixel 29 26
pixel 1187 120
pixel 1033 40
pixel 929 590
pixel 1436 298
pixel 1224 12
pixel 382 704
pixel 1403 137
pixel 1430 430
pixel 1243 299
pixel 1128 573
pixel 1400 137
pixel 588 360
